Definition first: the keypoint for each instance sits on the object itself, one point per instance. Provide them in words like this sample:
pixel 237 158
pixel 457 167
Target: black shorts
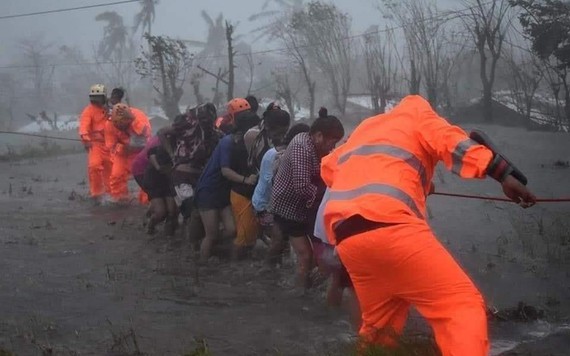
pixel 212 199
pixel 157 185
pixel 292 228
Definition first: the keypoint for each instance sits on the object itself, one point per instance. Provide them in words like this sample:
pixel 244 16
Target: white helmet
pixel 98 89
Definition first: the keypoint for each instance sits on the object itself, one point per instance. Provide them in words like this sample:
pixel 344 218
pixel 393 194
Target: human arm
pixel 163 135
pixel 262 191
pixel 85 127
pixel 466 157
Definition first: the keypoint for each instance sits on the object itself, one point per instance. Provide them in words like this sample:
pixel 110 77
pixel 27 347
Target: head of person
pixel 121 116
pixel 98 95
pixel 253 103
pixel 117 95
pixel 236 106
pixel 204 114
pixel 294 131
pixel 244 121
pixel 276 122
pixel 181 123
pixel 326 132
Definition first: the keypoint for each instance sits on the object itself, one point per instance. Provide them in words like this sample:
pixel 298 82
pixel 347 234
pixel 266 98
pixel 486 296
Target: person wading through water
pixel 298 190
pixel 92 133
pixel 194 139
pixel 375 214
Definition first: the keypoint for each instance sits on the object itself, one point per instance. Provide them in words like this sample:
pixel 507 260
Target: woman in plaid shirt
pixel 298 189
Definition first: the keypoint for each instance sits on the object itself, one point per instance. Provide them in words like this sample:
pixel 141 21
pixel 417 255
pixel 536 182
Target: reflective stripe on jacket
pixel 384 170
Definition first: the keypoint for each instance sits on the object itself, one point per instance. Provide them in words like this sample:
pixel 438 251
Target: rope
pixel 468 196
pixel 40 136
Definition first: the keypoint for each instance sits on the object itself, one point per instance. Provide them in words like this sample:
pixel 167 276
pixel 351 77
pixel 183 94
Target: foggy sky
pixel 176 18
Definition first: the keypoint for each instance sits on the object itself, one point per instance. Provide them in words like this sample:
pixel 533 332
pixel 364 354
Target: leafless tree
pixel 326 33
pixel 231 56
pixel 380 66
pixel 488 22
pixel 195 82
pixel 425 29
pixel 36 56
pixel 250 70
pixel 284 90
pixel 8 100
pixel 297 50
pixel 169 60
pixel 526 72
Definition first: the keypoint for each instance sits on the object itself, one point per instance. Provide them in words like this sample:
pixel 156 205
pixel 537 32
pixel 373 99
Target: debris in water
pixel 522 312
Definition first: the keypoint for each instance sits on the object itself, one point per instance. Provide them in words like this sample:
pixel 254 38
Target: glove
pixel 499 169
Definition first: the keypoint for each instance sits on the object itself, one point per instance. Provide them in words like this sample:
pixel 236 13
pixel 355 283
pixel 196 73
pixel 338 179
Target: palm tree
pixel 114 35
pixel 284 5
pixel 215 44
pixel 145 17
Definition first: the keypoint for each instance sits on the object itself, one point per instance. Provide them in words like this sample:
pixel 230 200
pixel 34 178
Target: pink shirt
pixel 141 160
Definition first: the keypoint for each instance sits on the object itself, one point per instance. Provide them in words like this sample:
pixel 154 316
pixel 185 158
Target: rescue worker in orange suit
pixel 92 133
pixel 376 216
pixel 126 134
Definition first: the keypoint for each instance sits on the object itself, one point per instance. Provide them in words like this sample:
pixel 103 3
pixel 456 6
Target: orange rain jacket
pixel 92 124
pixel 119 143
pixel 384 170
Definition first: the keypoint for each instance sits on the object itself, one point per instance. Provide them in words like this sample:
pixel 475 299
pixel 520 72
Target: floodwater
pixel 79 279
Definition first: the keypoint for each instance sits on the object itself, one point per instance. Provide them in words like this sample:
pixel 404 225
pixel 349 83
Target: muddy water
pixel 84 279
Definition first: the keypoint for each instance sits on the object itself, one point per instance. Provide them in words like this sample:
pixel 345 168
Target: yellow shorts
pixel 247 227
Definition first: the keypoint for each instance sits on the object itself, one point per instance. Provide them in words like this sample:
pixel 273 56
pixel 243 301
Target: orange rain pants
pixel 396 266
pixel 120 174
pixel 99 169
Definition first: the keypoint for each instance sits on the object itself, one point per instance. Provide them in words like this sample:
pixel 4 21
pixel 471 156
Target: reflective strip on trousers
pixel 459 153
pixel 378 188
pixel 389 150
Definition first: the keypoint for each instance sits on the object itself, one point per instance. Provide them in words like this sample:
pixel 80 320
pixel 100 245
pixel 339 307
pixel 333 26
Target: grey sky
pixel 177 18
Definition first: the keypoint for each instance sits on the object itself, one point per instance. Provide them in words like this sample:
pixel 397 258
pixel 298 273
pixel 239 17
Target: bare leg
pixel 172 216
pixel 158 208
pixel 211 221
pixel 302 248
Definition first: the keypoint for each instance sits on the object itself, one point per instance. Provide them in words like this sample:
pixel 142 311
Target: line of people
pixel 356 211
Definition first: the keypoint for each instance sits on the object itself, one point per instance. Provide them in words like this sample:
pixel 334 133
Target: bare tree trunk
pixel 415 78
pixel 231 54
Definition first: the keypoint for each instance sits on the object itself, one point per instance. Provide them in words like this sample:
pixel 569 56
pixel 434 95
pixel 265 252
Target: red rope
pixel 541 200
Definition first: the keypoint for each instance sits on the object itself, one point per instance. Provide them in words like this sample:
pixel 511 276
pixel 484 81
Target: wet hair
pixel 118 93
pixel 294 131
pixel 329 126
pixel 253 103
pixel 203 113
pixel 180 122
pixel 274 117
pixel 245 120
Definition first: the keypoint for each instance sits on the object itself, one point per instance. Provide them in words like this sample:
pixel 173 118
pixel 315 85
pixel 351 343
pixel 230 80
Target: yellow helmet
pixel 98 89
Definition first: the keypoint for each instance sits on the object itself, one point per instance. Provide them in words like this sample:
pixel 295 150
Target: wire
pixel 66 9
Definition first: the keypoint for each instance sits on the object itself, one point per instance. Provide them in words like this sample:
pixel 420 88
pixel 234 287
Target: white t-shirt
pixel 320 231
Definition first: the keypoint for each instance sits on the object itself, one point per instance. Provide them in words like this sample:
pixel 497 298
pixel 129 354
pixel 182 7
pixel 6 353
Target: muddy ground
pixel 83 280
